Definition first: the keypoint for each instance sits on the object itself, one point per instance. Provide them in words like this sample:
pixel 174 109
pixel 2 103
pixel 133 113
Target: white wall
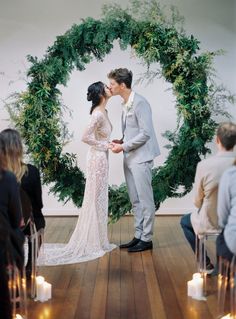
pixel 29 27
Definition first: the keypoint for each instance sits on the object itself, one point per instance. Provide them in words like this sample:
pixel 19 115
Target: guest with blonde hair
pixel 28 177
pixel 11 236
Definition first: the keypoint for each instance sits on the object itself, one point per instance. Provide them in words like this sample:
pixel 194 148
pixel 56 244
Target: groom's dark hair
pixel 121 75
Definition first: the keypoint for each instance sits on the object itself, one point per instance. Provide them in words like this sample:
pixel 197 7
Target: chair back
pixel 26 207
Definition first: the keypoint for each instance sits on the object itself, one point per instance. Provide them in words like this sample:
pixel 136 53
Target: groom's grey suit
pixel 140 148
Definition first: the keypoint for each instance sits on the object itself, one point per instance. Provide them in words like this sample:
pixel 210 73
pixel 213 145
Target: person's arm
pixel 14 205
pixel 198 188
pixel 144 117
pixel 37 190
pixel 223 204
pixel 89 135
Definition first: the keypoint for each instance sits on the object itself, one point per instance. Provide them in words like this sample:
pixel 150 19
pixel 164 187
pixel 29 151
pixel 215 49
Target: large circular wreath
pixel 154 38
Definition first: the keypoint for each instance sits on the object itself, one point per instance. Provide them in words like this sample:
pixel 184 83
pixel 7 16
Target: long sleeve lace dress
pixel 89 239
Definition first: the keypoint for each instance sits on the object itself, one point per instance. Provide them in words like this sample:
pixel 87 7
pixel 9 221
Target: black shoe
pixel 209 268
pixel 132 243
pixel 141 246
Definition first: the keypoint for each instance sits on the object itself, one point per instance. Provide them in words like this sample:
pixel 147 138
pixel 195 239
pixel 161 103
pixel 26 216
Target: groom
pixel 140 147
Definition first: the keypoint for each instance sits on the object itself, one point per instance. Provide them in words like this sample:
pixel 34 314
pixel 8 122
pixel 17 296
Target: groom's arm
pixel 144 117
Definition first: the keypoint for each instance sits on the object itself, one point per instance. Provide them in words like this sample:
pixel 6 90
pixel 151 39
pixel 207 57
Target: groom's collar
pixel 130 100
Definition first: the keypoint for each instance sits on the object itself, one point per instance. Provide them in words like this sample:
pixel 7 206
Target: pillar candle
pixel 197 275
pixel 40 288
pixel 47 290
pixel 195 286
pixel 198 287
pixel 191 288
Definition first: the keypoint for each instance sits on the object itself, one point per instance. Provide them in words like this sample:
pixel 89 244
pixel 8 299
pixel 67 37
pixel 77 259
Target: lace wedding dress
pixel 89 239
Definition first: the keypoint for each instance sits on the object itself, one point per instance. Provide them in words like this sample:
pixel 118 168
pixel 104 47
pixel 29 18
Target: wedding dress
pixel 89 239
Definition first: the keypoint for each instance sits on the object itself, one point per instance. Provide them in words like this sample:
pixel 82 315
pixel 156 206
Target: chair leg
pixel 222 284
pixel 12 287
pixel 233 287
pixel 204 265
pixel 21 284
pixel 34 247
pixel 197 252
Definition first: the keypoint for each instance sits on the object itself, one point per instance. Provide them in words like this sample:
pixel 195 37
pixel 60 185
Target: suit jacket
pixel 227 207
pixel 140 142
pixel 31 184
pixel 207 179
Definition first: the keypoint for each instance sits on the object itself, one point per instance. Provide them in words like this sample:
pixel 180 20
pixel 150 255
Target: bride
pixel 89 239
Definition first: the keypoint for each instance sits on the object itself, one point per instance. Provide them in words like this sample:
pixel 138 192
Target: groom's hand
pixel 117 148
pixel 117 141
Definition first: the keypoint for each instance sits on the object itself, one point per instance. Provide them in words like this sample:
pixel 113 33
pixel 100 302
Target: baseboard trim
pixel 74 213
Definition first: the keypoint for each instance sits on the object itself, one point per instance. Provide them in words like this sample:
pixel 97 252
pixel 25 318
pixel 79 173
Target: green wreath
pixel 154 38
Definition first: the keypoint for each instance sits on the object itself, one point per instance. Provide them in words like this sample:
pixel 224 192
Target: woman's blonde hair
pixel 14 153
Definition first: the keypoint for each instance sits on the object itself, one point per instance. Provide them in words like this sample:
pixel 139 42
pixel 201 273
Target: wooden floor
pixel 146 285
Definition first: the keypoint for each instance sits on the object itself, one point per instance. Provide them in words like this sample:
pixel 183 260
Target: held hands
pixel 116 146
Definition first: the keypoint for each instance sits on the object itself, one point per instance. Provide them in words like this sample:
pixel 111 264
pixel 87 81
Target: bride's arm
pixel 89 134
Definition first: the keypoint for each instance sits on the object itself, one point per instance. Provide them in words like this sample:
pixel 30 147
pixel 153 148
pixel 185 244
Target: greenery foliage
pixel 158 39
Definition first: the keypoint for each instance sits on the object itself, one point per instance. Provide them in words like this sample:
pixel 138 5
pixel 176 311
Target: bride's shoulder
pixel 97 115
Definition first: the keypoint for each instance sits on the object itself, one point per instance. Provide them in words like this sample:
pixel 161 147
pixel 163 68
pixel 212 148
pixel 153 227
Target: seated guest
pixel 226 209
pixel 29 178
pixel 10 232
pixel 5 303
pixel 208 174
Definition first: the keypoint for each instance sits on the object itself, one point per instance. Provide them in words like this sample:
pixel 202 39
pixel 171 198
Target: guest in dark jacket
pixel 29 179
pixel 10 222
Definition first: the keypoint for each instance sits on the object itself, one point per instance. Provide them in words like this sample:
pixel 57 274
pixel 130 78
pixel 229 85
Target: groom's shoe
pixel 130 244
pixel 141 246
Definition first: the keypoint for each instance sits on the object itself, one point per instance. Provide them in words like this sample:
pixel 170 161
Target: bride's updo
pixel 95 93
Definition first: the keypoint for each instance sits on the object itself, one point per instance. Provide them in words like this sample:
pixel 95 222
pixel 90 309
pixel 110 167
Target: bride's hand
pixel 110 146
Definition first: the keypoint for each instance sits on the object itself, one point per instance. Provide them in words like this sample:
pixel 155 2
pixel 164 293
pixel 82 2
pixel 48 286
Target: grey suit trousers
pixel 139 182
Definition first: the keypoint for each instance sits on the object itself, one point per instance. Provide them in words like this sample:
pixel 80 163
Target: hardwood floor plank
pixel 98 305
pixel 113 293
pixel 127 303
pixel 165 283
pixel 83 308
pixel 154 294
pixel 142 302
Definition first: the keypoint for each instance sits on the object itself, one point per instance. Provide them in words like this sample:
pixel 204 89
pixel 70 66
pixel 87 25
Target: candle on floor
pixel 195 286
pixel 47 290
pixel 197 275
pixel 198 287
pixel 191 288
pixel 19 316
pixel 40 288
pixel 43 289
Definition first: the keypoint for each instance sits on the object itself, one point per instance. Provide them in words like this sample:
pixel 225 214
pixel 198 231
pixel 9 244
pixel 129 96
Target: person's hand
pixel 117 148
pixel 110 146
pixel 117 141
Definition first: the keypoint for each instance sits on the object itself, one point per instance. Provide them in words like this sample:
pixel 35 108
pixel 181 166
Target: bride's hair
pixel 95 93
